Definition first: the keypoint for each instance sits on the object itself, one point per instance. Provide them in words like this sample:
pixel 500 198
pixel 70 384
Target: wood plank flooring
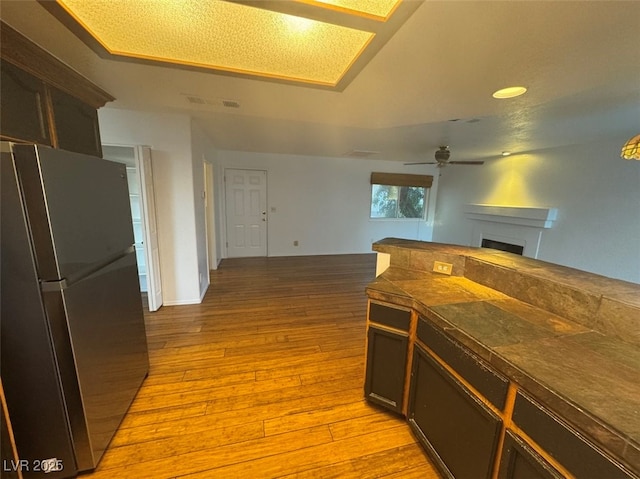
pixel 264 379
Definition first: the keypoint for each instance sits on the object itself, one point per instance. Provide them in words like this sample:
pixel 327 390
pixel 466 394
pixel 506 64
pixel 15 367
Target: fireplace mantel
pixel 517 225
pixel 534 216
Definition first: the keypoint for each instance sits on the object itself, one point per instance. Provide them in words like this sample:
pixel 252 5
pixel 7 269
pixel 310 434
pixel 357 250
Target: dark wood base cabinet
pixel 458 431
pixel 386 360
pixel 471 420
pixel 566 446
pixel 519 461
pixel 387 351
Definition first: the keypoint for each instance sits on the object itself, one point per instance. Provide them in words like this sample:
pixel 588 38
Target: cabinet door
pixel 386 366
pixel 457 430
pixel 76 124
pixel 23 112
pixel 519 461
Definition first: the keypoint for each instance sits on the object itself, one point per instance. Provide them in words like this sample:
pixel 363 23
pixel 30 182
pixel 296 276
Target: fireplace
pixel 518 229
pixel 499 245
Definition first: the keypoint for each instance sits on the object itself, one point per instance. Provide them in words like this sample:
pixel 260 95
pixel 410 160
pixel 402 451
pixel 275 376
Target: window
pixel 399 195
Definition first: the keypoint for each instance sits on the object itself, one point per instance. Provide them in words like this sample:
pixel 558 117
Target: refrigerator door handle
pixel 53 286
pixel 64 283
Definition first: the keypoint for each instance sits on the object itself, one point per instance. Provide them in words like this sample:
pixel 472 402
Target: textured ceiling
pixel 578 60
pixel 229 36
pixel 378 9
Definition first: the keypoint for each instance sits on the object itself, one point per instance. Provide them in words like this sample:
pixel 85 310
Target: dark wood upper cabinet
pixel 23 105
pixel 44 101
pixel 76 124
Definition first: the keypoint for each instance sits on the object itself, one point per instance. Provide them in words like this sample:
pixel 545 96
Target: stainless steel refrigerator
pixel 73 350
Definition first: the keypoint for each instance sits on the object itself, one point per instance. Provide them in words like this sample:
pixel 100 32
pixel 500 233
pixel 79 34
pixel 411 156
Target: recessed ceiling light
pixel 509 92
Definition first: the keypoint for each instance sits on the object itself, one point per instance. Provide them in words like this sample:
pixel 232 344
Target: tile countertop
pixel 586 376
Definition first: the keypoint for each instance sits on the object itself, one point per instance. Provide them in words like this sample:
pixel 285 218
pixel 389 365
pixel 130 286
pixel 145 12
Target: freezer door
pixel 77 207
pixel 103 358
pixel 29 373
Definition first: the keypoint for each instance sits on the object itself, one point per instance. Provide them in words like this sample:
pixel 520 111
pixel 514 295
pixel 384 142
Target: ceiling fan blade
pixel 466 162
pixel 423 163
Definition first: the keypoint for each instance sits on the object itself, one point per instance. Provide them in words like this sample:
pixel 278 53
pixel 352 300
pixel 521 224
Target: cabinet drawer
pixel 392 317
pixel 562 443
pixel 474 370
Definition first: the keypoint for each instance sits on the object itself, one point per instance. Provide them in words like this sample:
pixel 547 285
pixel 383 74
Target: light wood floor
pixel 264 379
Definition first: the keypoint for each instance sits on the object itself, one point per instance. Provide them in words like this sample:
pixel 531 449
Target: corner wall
pixel 596 192
pixel 169 136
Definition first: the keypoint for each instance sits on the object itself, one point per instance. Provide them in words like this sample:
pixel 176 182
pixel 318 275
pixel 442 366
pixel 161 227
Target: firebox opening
pixel 499 245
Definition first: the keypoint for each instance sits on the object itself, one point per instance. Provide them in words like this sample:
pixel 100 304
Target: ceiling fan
pixel 442 159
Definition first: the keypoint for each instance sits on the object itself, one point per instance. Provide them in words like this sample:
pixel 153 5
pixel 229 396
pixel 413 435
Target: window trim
pixel 401 179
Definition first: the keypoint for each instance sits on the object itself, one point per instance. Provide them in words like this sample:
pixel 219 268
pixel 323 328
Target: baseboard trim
pixel 181 302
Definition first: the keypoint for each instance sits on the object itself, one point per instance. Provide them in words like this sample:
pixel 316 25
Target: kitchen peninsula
pixel 508 366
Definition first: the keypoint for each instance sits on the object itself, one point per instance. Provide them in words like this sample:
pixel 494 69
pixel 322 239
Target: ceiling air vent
pixel 230 104
pixel 196 100
pixel 360 153
pixel 211 102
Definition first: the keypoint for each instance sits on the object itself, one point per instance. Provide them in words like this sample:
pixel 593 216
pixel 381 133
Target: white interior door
pixel 150 230
pixel 246 212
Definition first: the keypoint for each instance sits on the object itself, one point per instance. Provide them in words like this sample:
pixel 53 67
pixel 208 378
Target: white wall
pixel 323 203
pixel 596 192
pixel 169 136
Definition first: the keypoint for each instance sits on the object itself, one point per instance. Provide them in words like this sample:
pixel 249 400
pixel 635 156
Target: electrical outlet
pixel 444 268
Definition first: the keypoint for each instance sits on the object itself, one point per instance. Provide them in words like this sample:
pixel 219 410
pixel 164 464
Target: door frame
pixel 210 214
pixel 144 162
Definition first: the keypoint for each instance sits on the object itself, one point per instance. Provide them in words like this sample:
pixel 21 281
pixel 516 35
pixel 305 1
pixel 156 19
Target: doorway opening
pixel 143 216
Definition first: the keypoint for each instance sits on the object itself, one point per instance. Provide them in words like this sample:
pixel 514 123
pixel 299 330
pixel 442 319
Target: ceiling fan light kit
pixel 442 156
